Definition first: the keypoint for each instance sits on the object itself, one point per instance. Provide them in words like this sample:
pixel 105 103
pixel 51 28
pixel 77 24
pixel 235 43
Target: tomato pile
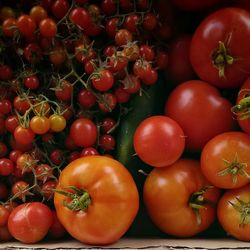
pixel 71 72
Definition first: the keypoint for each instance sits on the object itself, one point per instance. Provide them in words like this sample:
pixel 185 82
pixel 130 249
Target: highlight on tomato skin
pixel 92 190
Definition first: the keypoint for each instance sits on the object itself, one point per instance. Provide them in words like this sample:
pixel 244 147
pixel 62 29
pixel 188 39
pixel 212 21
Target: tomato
pixel 6 72
pixel 117 63
pixel 9 27
pixel 4 215
pixel 60 8
pixel 108 102
pixel 5 106
pixel 41 108
pixel 149 21
pixel 86 98
pixel 48 28
pixel 107 142
pixel 193 5
pixel 162 59
pixel 39 124
pixel 108 7
pixel 219 50
pixel 141 68
pixel 188 103
pixel 131 83
pixel 26 25
pixel 6 166
pixel 225 160
pixel 131 22
pixel 24 135
pixel 31 82
pixel 88 151
pixel 30 222
pixel 58 55
pixel 112 26
pixel 83 132
pixel 47 189
pixel 33 54
pixel 122 37
pixel 179 200
pixel 159 141
pixel 57 156
pixel 241 108
pixel 80 17
pixel 3 149
pixel 6 12
pixel 150 78
pixel 26 162
pixel 64 91
pixel 233 212
pixel 56 230
pixel 179 67
pixel 104 196
pixel 5 234
pixel 38 13
pixel 57 123
pixel 107 124
pixel 43 172
pixel 21 104
pixel 147 52
pixel 14 154
pixel 20 189
pixel 122 96
pixel 102 80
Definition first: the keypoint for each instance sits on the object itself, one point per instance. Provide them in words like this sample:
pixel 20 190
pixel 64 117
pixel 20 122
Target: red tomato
pixel 241 109
pixel 38 13
pixel 31 82
pixel 225 160
pixel 30 222
pixel 83 132
pixel 24 135
pixel 201 111
pixel 48 28
pixel 103 80
pixel 26 25
pixel 104 196
pixel 6 166
pixel 80 17
pixel 179 67
pixel 9 27
pixel 11 122
pixel 233 212
pixel 219 51
pixel 179 200
pixel 159 141
pixel 64 91
pixel 86 98
pixel 122 37
pixel 60 8
pixel 32 53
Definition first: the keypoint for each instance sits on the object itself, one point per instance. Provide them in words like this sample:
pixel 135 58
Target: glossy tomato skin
pixel 167 192
pixel 228 215
pixel 222 150
pixel 114 200
pixel 30 222
pixel 159 141
pixel 201 111
pixel 232 27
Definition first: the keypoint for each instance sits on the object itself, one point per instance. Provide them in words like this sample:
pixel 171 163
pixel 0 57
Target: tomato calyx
pixel 234 168
pixel 221 58
pixel 79 199
pixel 242 108
pixel 197 201
pixel 244 209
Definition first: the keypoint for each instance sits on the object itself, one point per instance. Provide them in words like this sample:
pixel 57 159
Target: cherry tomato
pixel 43 172
pixel 48 28
pixel 24 135
pixel 107 142
pixel 83 132
pixel 64 91
pixel 38 13
pixel 57 123
pixel 30 222
pixel 88 177
pixel 88 151
pixel 6 166
pixel 11 122
pixel 5 106
pixel 188 103
pixel 159 141
pixel 26 25
pixel 122 37
pixel 80 17
pixel 57 156
pixel 40 124
pixel 60 8
pixel 232 212
pixel 31 82
pixel 33 54
pixel 86 98
pixel 108 102
pixel 179 200
pixel 103 80
pixel 9 27
pixel 4 215
pixel 225 160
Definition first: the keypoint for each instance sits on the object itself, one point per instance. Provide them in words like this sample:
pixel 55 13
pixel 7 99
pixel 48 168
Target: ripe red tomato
pixel 159 141
pixel 24 135
pixel 219 50
pixel 64 91
pixel 80 17
pixel 241 109
pixel 103 80
pixel 48 28
pixel 60 8
pixel 225 160
pixel 179 200
pixel 122 37
pixel 31 82
pixel 86 98
pixel 6 166
pixel 233 212
pixel 201 111
pixel 9 27
pixel 30 222
pixel 106 210
pixel 83 132
pixel 26 25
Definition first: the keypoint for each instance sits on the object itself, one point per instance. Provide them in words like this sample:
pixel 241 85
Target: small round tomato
pixel 86 98
pixel 26 162
pixel 47 189
pixel 38 13
pixel 233 212
pixel 57 123
pixel 33 54
pixel 88 151
pixel 20 190
pixel 11 122
pixel 31 82
pixel 6 166
pixel 149 22
pixel 24 135
pixel 88 178
pixel 108 7
pixel 58 55
pixel 102 80
pixel 159 141
pixel 30 222
pixel 4 215
pixel 43 172
pixel 9 27
pixel 40 124
pixel 48 27
pixel 21 104
pixel 107 142
pixel 80 17
pixel 60 8
pixel 3 149
pixel 122 37
pixel 83 132
pixel 5 106
pixel 107 103
pixel 107 124
pixel 57 156
pixel 225 160
pixel 64 91
pixel 26 25
pixel 179 200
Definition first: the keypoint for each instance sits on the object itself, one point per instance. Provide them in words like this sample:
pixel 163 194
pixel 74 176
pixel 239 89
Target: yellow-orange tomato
pixel 40 124
pixel 105 203
pixel 57 123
